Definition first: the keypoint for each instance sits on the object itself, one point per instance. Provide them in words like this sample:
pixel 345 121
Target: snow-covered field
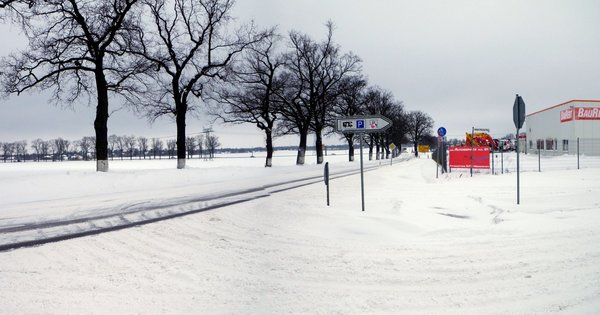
pixel 455 244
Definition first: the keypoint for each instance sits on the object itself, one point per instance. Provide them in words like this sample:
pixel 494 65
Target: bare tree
pixel 11 4
pixel 249 95
pixel 13 8
pixel 130 144
pixel 200 142
pixel 92 149
pixel 171 147
pixel 8 149
pixel 143 146
pixel 382 102
pixel 397 134
pixel 85 145
pixel 190 146
pixel 157 146
pixel 190 47
pixel 21 150
pixel 113 142
pixel 351 95
pixel 36 145
pixel 120 144
pixel 61 148
pixel 212 144
pixel 74 50
pixel 419 126
pixel 7 3
pixel 316 69
pixel 45 149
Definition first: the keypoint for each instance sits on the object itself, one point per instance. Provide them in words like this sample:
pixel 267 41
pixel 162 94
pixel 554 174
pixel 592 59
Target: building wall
pixel 552 133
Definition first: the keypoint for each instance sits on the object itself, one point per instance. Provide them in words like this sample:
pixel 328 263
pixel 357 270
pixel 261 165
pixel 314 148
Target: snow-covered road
pixel 83 213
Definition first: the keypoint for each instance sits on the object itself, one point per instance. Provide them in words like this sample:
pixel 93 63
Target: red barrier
pixel 460 157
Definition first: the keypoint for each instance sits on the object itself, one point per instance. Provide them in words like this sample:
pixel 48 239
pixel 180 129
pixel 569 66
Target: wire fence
pixel 507 162
pixel 546 155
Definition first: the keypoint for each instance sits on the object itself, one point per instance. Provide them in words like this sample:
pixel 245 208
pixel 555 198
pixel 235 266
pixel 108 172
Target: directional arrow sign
pixel 363 124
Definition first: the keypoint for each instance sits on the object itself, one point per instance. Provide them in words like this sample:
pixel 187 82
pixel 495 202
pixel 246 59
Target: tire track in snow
pixel 35 234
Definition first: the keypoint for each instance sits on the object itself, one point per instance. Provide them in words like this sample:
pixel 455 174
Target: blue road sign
pixel 441 131
pixel 360 124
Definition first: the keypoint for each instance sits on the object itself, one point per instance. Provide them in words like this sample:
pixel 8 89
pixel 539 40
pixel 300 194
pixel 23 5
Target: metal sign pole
pixel 362 177
pixel 472 141
pixel 518 183
pixel 502 161
pixel 326 173
pixel 361 125
pixel 437 163
pixel 518 119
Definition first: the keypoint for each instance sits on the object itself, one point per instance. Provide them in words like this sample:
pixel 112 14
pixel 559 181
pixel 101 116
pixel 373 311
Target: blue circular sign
pixel 441 131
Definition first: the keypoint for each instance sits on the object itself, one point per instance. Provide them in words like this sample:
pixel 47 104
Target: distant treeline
pixel 124 147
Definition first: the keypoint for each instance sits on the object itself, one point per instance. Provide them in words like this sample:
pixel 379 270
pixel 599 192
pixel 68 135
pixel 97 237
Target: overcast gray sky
pixel 462 62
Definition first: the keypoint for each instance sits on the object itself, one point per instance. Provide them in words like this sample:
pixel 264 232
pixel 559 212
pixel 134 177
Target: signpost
pixel 392 148
pixel 441 133
pixel 518 119
pixel 326 179
pixel 362 125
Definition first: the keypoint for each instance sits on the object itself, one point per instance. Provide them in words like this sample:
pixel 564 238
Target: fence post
pixel 577 152
pixel 493 173
pixel 539 160
pixel 502 161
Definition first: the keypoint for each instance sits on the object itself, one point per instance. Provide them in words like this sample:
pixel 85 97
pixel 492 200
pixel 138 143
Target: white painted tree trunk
pixel 102 166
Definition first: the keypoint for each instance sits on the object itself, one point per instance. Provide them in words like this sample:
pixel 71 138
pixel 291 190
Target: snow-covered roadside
pixel 48 202
pixel 453 245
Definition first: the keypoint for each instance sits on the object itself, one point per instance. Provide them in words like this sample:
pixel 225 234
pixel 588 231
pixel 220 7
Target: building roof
pixel 561 104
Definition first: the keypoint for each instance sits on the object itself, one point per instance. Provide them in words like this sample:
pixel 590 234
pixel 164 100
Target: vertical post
pixel 362 177
pixel 577 152
pixel 472 140
pixel 518 183
pixel 502 161
pixel 442 155
pixel 327 180
pixel 437 163
pixel 539 160
pixel 493 172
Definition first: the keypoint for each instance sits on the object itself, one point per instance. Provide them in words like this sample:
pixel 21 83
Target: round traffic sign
pixel 441 131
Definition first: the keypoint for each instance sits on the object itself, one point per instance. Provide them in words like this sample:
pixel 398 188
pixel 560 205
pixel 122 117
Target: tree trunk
pixel 302 147
pixel 370 147
pixel 269 160
pixel 416 146
pixel 319 146
pixel 349 138
pixel 101 121
pixel 180 121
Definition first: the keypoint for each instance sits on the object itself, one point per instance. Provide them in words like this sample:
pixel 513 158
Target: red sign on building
pixel 461 157
pixel 580 113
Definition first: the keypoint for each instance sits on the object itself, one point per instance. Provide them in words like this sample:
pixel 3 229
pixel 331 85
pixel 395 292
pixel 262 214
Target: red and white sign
pixel 460 157
pixel 566 115
pixel 580 113
pixel 587 113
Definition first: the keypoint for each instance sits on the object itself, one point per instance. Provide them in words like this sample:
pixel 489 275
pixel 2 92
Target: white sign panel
pixel 363 124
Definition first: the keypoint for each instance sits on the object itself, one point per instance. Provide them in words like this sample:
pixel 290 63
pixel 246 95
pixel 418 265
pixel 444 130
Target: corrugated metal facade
pixel 555 130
